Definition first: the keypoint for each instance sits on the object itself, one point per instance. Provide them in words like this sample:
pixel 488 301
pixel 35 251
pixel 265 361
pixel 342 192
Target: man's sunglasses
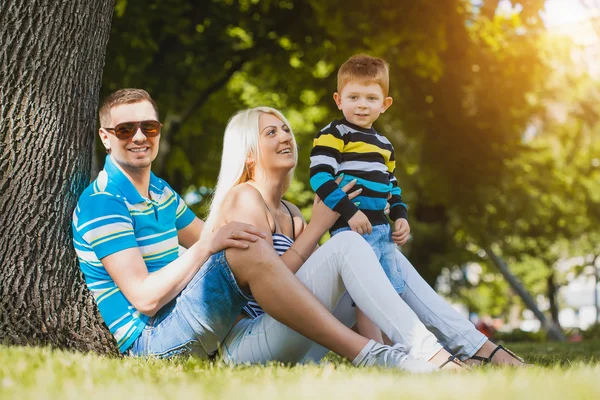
pixel 127 130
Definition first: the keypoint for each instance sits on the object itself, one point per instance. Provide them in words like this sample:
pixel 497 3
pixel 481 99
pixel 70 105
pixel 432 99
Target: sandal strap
pixel 488 360
pixel 500 347
pixel 484 360
pixel 455 360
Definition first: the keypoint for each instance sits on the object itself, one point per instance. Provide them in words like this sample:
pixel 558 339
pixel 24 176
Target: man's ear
pixel 338 100
pixel 387 102
pixel 104 139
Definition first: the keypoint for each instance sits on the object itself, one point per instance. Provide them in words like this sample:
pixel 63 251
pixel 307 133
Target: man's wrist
pixel 202 247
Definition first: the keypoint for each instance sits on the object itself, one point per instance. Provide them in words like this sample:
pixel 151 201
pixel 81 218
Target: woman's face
pixel 276 144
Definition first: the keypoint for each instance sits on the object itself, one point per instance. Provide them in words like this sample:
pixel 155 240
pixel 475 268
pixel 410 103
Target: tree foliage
pixel 468 83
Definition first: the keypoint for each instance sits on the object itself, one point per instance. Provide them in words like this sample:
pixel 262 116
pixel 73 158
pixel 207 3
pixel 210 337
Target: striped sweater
pixel 362 154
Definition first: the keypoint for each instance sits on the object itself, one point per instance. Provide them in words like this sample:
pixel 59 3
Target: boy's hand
pixel 401 231
pixel 359 223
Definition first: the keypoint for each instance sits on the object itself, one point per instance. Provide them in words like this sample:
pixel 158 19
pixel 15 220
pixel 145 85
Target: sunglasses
pixel 127 130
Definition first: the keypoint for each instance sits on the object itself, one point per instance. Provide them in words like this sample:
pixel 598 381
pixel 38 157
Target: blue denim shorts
pixel 198 319
pixel 385 249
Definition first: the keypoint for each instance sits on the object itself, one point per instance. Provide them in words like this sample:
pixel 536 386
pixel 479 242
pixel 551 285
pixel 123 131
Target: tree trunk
pixel 51 60
pixel 551 292
pixel 554 332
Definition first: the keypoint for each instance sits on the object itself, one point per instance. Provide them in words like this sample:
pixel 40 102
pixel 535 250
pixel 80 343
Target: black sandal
pixel 454 360
pixel 488 360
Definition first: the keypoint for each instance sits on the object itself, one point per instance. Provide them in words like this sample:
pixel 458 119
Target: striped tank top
pixel 281 243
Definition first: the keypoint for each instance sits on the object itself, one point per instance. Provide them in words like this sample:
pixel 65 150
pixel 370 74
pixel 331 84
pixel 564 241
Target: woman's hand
pixel 234 234
pixel 324 216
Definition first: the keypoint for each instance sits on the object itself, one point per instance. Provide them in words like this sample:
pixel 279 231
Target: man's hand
pixel 360 223
pixel 401 231
pixel 234 234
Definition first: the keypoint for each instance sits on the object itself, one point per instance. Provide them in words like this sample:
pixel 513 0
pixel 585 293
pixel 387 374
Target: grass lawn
pixel 564 371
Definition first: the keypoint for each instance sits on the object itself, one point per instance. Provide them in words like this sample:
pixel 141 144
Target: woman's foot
pixel 491 353
pixel 446 361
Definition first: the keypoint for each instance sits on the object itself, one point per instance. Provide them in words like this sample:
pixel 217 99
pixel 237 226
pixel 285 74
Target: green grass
pixel 564 371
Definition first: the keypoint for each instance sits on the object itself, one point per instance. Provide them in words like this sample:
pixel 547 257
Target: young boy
pixel 352 148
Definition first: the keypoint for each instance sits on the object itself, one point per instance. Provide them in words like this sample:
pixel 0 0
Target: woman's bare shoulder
pixel 244 196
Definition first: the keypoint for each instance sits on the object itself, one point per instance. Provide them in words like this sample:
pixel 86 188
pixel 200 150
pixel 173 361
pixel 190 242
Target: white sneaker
pixel 377 354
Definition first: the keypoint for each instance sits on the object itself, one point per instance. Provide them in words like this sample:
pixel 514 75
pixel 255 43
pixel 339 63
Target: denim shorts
pixel 198 319
pixel 384 247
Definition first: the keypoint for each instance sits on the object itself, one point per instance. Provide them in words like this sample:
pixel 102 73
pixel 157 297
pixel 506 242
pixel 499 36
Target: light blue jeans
pixel 451 328
pixel 345 266
pixel 384 247
pixel 198 319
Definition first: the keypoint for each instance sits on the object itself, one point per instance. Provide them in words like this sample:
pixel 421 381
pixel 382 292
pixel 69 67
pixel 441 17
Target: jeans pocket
pixel 176 350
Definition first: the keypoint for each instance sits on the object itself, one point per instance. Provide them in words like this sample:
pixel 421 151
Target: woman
pixel 259 156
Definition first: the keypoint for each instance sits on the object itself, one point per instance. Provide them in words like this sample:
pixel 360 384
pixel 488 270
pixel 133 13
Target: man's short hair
pixel 364 69
pixel 121 97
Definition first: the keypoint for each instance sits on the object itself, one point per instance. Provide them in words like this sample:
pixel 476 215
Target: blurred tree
pixel 545 208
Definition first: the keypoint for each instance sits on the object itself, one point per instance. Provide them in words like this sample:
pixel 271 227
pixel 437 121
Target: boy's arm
pixel 325 159
pixel 397 207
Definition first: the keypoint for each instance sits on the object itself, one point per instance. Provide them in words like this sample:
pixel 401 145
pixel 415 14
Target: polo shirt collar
pixel 124 184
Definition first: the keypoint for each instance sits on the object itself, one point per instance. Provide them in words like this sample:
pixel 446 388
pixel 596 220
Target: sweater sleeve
pixel 325 160
pixel 397 207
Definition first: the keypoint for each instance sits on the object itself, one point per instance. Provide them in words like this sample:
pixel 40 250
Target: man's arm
pixel 149 292
pixel 190 234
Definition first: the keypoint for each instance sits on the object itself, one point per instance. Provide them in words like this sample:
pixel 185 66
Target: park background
pixel 494 121
pixel 495 124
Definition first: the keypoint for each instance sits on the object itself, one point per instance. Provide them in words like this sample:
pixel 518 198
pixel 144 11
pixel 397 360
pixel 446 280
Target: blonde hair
pixel 364 69
pixel 241 141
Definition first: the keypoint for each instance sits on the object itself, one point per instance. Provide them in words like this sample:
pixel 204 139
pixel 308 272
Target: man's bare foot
pixel 491 353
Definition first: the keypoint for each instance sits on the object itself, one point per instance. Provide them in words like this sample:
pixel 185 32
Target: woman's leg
pixel 451 328
pixel 260 270
pixel 345 313
pixel 345 262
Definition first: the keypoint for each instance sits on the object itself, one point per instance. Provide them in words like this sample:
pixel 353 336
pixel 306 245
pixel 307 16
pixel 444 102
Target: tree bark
pixel 551 292
pixel 554 332
pixel 51 61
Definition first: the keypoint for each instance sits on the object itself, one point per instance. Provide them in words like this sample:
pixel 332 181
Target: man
pixel 127 227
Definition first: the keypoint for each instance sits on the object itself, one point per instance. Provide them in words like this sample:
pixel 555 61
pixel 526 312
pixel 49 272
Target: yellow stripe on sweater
pixel 329 141
pixel 361 147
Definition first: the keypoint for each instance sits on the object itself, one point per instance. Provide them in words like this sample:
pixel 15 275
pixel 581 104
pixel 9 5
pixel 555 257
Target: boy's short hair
pixel 366 70
pixel 121 97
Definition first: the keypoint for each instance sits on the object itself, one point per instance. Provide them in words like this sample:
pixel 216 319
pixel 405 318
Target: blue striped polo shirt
pixel 112 216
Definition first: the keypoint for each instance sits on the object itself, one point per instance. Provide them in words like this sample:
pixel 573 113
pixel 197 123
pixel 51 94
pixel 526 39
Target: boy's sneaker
pixel 377 354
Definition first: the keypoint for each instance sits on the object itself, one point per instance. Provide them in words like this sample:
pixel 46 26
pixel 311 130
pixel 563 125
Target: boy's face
pixel 362 103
